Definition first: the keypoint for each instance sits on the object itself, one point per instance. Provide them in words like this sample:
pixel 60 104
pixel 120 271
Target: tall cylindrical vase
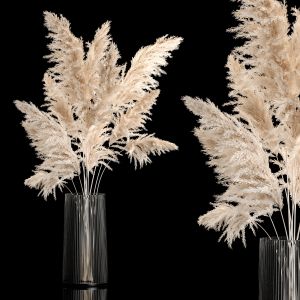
pixel 85 245
pixel 279 269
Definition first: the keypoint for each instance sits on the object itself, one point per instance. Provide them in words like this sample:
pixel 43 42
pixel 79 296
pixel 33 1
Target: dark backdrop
pixel 156 248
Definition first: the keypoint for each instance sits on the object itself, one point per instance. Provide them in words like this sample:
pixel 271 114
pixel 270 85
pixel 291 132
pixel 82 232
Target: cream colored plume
pixel 255 150
pixel 95 109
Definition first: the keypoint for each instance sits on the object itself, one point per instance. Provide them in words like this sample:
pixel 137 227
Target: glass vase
pixel 85 245
pixel 279 269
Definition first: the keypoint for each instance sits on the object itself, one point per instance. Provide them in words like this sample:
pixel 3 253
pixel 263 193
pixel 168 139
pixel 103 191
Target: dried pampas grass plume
pixel 255 151
pixel 96 109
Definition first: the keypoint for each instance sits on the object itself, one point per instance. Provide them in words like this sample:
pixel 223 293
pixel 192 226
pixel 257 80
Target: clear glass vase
pixel 85 245
pixel 279 269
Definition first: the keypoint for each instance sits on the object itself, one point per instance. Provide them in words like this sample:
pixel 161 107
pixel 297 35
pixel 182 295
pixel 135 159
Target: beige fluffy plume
pixel 255 151
pixel 95 110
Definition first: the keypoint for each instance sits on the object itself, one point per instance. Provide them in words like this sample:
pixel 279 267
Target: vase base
pixel 91 293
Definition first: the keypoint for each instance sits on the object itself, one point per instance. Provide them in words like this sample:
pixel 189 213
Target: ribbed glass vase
pixel 85 245
pixel 279 269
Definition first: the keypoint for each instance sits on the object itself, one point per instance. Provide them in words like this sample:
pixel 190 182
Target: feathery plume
pixel 255 151
pixel 95 110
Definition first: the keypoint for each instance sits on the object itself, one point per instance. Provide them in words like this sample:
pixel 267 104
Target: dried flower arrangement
pixel 96 110
pixel 256 150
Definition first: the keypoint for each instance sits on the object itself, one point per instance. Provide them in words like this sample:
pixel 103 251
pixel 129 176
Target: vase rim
pixel 80 194
pixel 275 239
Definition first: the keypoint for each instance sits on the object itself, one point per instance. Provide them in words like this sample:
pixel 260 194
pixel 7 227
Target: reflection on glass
pixel 85 247
pixel 87 294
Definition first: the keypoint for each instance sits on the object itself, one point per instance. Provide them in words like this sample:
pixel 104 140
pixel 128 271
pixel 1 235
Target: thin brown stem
pixel 274 227
pixel 284 224
pixel 264 231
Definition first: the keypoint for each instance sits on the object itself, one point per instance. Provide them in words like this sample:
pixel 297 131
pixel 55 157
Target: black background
pixel 156 248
